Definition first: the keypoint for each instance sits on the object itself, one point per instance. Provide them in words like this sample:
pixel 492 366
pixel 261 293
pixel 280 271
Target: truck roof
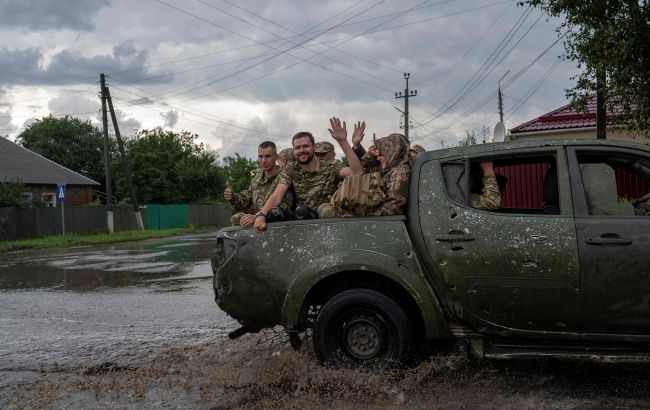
pixel 513 145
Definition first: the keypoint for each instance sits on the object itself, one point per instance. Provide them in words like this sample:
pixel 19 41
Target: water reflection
pixel 111 266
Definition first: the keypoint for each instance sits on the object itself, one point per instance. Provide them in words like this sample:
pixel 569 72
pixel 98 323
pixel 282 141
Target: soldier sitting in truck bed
pixel 313 181
pixel 261 186
pixel 393 156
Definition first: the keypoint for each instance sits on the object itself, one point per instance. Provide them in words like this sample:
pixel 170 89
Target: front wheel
pixel 361 326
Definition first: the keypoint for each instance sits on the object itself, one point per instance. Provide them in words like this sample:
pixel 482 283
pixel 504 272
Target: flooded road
pixel 134 325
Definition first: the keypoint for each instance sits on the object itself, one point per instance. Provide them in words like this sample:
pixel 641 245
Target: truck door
pixel 613 238
pixel 514 267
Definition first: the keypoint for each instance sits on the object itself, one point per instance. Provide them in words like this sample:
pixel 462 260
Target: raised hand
pixel 338 132
pixel 358 133
pixel 227 194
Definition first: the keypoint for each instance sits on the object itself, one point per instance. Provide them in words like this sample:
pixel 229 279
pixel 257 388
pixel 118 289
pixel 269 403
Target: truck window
pixel 528 185
pixel 615 185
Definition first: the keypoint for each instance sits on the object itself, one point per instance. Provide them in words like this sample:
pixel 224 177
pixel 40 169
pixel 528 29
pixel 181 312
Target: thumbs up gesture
pixel 227 194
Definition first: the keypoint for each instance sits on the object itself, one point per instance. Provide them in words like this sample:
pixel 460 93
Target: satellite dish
pixel 499 132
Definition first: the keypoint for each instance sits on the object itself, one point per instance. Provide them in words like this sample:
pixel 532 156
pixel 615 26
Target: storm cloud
pixel 50 14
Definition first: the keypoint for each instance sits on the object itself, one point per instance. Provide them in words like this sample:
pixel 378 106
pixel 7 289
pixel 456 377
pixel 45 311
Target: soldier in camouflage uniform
pixel 325 151
pixel 313 181
pixel 393 156
pixel 490 198
pixel 262 185
pixel 285 157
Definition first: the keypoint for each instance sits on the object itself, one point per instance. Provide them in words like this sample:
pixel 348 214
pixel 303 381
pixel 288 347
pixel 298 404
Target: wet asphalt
pixel 108 303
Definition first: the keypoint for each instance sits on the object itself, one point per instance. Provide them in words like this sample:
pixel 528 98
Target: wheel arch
pixel 416 298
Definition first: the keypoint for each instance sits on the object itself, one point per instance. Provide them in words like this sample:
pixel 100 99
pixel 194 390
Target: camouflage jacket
pixel 312 188
pixel 395 149
pixel 490 199
pixel 396 188
pixel 259 191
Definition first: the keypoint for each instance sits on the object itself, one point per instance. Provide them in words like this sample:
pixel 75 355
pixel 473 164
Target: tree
pixel 610 40
pixel 11 195
pixel 471 139
pixel 68 141
pixel 169 167
pixel 238 171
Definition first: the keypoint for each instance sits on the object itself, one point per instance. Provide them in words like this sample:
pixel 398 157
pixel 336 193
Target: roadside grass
pixel 100 238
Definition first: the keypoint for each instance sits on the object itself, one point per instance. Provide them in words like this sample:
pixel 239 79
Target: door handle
pixel 454 237
pixel 608 239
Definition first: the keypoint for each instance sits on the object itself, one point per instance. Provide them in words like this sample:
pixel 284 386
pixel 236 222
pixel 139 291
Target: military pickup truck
pixel 562 268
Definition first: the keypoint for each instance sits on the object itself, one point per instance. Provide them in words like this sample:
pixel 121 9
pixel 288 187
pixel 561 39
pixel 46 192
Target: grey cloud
pixel 142 101
pixel 5 123
pixel 24 66
pixel 170 118
pixel 73 104
pixel 50 14
pixel 128 125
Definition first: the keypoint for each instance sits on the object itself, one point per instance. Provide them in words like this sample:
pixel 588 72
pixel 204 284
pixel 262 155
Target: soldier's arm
pixel 273 201
pixel 340 134
pixel 490 198
pixel 242 200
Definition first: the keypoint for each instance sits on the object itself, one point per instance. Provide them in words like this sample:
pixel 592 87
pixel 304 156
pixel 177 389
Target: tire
pixel 360 327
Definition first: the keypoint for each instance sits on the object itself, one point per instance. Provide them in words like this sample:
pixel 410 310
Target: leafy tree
pixel 169 167
pixel 11 195
pixel 610 40
pixel 68 141
pixel 238 171
pixel 472 139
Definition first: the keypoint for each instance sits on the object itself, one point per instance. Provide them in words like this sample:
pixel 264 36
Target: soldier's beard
pixel 310 157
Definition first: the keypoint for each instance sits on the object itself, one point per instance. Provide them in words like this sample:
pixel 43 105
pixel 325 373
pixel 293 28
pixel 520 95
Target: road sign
pixel 60 192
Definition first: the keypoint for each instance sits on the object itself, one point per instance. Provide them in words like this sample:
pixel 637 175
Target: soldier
pixel 313 180
pixel 490 198
pixel 414 152
pixel 393 156
pixel 262 185
pixel 325 150
pixel 285 156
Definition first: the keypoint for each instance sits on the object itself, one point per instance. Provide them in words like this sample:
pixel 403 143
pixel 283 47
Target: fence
pixel 25 223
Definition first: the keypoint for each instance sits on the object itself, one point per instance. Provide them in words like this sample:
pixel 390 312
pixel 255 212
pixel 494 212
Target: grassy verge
pixel 99 238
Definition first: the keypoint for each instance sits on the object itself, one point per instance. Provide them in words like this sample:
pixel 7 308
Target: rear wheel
pixel 362 326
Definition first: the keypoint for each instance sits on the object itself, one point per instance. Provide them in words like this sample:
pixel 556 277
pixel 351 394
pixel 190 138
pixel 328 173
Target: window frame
pixel 580 205
pixel 556 152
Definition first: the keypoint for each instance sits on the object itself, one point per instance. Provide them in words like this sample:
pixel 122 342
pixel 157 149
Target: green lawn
pixel 94 239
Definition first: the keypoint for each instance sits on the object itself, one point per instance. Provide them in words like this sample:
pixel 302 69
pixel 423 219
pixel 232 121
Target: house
pixel 41 176
pixel 566 122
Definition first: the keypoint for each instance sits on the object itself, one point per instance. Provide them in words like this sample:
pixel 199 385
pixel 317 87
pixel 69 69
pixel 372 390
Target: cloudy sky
pixel 240 72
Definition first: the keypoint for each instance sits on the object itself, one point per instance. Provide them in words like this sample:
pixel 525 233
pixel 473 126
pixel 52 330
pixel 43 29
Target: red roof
pixel 564 118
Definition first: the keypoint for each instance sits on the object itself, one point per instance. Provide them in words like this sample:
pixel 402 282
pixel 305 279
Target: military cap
pixel 417 148
pixel 287 154
pixel 323 147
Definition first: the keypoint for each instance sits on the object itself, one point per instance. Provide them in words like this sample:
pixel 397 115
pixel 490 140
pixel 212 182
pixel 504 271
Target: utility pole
pixel 501 97
pixel 407 93
pixel 107 157
pixel 125 163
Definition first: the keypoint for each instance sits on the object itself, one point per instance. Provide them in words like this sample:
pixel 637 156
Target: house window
pixel 27 196
pixel 49 198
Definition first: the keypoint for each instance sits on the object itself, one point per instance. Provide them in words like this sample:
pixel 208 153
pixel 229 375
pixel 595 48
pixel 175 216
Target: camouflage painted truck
pixel 562 269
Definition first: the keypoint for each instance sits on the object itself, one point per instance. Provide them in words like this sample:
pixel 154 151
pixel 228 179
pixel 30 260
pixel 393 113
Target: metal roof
pixel 566 118
pixel 20 164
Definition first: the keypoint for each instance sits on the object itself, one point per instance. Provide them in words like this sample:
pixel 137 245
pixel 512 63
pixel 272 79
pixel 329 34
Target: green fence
pixel 167 216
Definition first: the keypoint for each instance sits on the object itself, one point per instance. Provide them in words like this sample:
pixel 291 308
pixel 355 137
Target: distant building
pixel 41 176
pixel 566 122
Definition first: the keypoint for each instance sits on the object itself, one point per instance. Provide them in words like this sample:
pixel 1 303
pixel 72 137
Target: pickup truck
pixel 561 269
